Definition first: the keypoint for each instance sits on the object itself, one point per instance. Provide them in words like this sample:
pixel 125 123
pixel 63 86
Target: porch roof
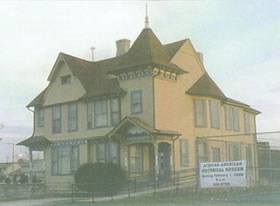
pixel 141 124
pixel 35 142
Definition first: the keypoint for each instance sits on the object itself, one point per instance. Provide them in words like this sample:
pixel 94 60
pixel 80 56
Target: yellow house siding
pixel 58 93
pixel 82 133
pixel 145 84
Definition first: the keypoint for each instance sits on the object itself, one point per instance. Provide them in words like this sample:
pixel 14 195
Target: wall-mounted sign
pixel 222 174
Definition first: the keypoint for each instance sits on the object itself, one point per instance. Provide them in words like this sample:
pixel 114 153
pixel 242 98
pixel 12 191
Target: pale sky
pixel 240 40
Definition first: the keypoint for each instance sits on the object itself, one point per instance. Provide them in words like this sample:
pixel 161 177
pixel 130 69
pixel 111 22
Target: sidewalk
pixel 33 202
pixel 49 201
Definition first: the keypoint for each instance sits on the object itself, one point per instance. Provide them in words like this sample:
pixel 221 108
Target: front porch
pixel 144 150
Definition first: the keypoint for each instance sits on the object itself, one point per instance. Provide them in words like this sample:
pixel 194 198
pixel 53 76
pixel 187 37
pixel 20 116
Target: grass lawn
pixel 181 199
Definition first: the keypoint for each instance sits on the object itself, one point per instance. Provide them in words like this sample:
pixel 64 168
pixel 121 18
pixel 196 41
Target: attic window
pixel 139 74
pixel 65 79
pixel 173 76
pixel 123 76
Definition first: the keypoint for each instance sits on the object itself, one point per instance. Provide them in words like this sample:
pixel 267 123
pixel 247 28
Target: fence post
pixel 135 185
pixel 197 164
pixel 72 192
pixel 128 189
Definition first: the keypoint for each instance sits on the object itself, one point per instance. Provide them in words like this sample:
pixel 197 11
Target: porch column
pixel 156 160
pixel 30 165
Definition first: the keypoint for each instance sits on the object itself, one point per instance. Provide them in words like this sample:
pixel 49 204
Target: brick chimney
pixel 122 46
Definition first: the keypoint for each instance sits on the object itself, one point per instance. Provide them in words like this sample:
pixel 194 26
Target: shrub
pixel 100 178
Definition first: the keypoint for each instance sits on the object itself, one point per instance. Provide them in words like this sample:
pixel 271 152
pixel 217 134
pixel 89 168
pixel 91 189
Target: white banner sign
pixel 223 174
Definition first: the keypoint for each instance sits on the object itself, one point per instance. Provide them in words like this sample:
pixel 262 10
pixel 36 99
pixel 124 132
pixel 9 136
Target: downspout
pixel 255 152
pixel 30 150
pixel 173 159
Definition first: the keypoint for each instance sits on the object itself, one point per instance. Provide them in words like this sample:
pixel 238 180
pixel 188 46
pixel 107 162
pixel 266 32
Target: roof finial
pixel 147 18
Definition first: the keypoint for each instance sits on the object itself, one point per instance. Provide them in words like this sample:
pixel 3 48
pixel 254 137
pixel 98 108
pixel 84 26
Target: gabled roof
pixel 146 50
pixel 36 142
pixel 205 86
pixel 39 100
pixel 172 48
pixel 143 125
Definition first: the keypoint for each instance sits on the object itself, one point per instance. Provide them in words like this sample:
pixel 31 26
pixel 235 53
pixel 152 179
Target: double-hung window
pixel 247 123
pixel 100 152
pixel 234 151
pixel 89 115
pixel 115 111
pixel 136 158
pixel 72 117
pixel 184 153
pixel 65 79
pixel 200 115
pixel 216 154
pixel 228 118
pixel 203 152
pixel 214 114
pixel 40 116
pixel 56 119
pixel 136 102
pixel 65 159
pixel 107 152
pixel 100 113
pixel 232 119
pixel 249 156
pixel 236 124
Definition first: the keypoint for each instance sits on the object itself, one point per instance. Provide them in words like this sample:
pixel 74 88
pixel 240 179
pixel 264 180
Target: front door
pixel 164 161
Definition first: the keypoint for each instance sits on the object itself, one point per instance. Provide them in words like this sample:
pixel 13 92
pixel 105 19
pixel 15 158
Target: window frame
pixel 236 119
pixel 99 114
pixel 59 120
pixel 55 159
pixel 136 158
pixel 212 113
pixel 247 123
pixel 73 118
pixel 234 146
pixel 115 112
pixel 184 154
pixel 203 113
pixel 216 149
pixel 66 79
pixel 132 103
pixel 40 119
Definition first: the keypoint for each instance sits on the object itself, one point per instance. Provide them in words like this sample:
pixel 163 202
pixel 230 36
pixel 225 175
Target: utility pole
pixel 12 146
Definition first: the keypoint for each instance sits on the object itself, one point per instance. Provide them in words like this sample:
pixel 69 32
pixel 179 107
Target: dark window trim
pixel 205 122
pixel 65 79
pixel 210 102
pixel 141 101
pixel 77 118
pixel 181 153
pixel 60 119
pixel 56 173
pixel 119 111
pixel 37 117
pixel 103 126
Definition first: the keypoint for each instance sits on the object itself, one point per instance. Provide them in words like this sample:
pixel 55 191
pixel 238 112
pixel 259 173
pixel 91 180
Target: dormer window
pixel 167 75
pixel 173 76
pixel 65 79
pixel 131 75
pixel 139 74
pixel 123 76
pixel 147 72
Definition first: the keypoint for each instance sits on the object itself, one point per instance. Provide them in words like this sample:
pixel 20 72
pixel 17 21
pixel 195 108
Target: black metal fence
pixel 261 151
pixel 144 184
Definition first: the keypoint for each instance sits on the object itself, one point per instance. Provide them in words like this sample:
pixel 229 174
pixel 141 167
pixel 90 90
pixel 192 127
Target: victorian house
pixel 142 109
